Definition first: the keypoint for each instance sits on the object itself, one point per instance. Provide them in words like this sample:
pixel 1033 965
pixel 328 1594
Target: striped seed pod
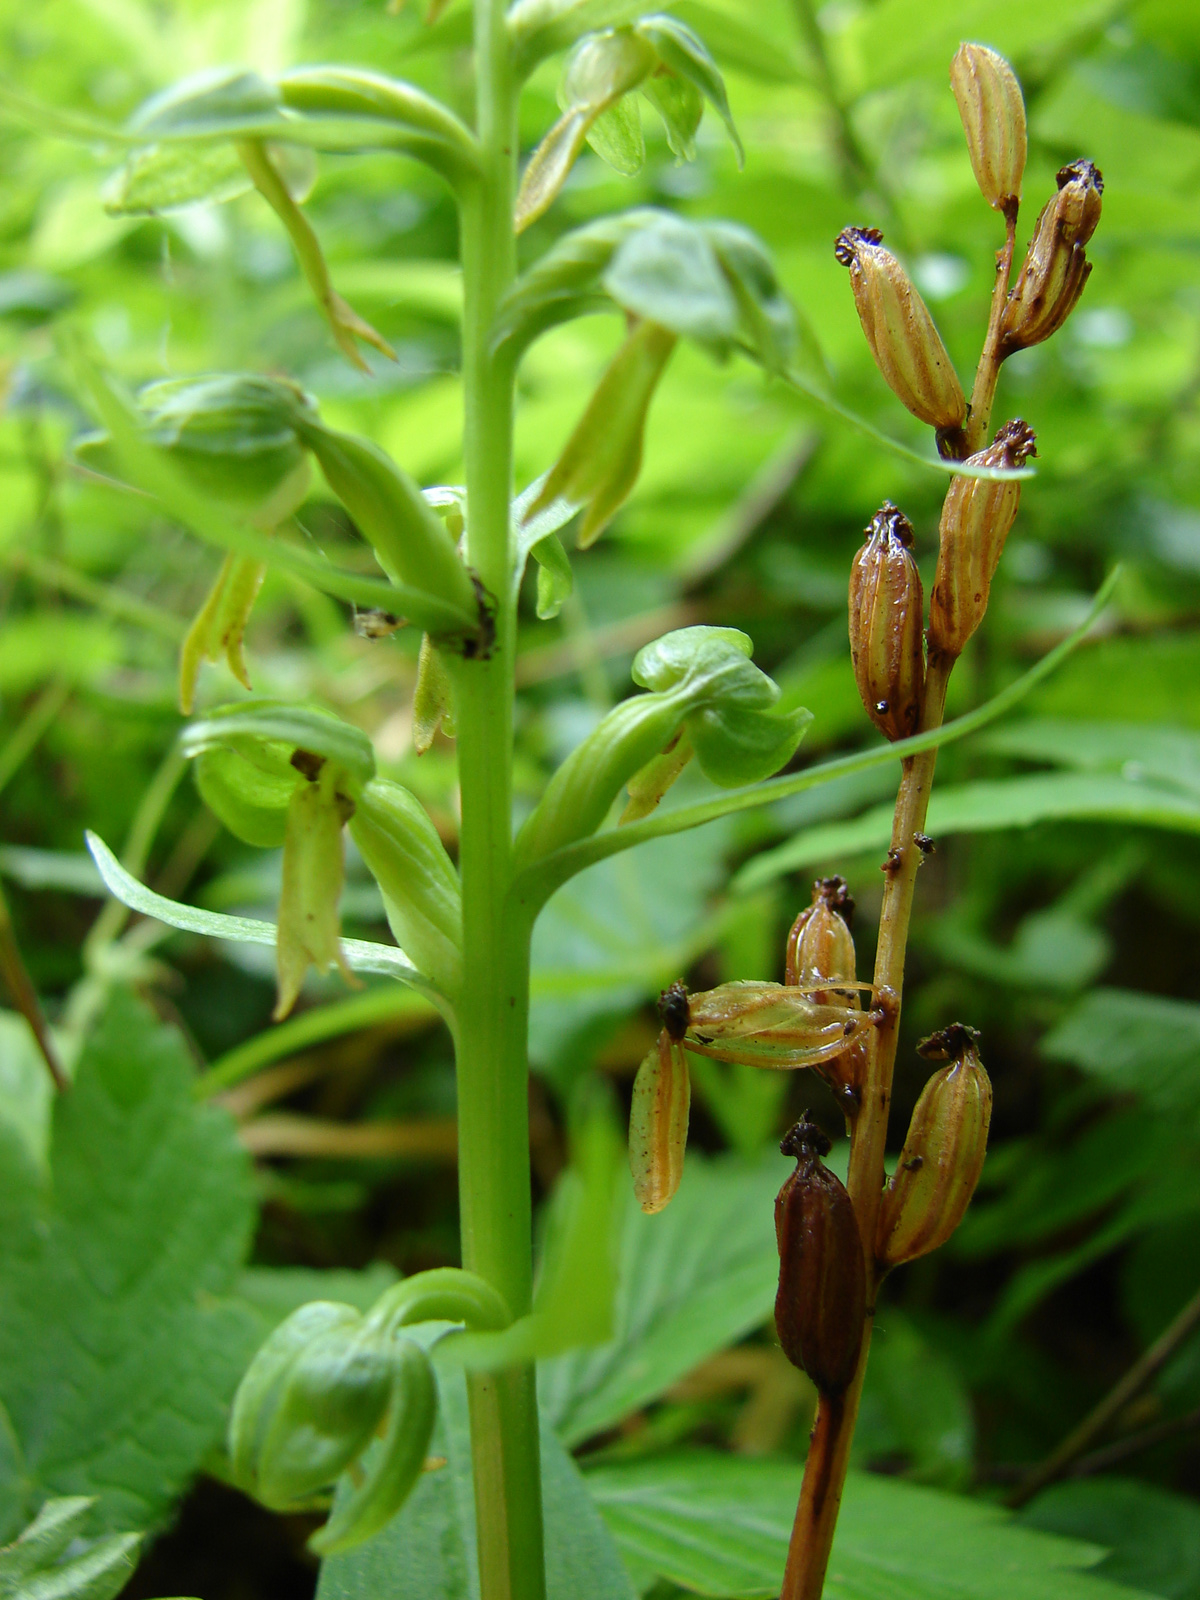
pixel 821 1304
pixel 886 616
pixel 658 1121
pixel 820 945
pixel 908 349
pixel 992 109
pixel 772 1025
pixel 976 517
pixel 1056 267
pixel 943 1152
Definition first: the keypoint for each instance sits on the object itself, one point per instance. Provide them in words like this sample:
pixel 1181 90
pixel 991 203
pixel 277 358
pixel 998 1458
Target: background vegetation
pixel 1059 914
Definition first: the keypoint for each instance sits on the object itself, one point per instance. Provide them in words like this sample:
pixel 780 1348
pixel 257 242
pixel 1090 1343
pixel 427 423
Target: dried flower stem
pixel 833 1431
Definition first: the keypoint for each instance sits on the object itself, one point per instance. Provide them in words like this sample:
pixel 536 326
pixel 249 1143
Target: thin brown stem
pixel 829 1456
pixel 988 371
pixel 25 997
pixel 1093 1425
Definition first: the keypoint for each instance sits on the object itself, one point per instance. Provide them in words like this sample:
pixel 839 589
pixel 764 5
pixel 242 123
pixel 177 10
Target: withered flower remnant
pixel 886 617
pixel 992 109
pixel 907 347
pixel 943 1151
pixel 1055 267
pixel 820 1307
pixel 976 517
pixel 773 1025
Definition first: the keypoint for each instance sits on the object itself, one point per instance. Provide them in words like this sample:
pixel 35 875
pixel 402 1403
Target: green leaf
pixel 361 954
pixel 144 1222
pixel 686 54
pixel 1153 1536
pixel 690 1281
pixel 223 102
pixel 984 807
pixel 1139 1044
pixel 46 1563
pixel 1136 750
pixel 428 1551
pixel 719 1525
pixel 915 1407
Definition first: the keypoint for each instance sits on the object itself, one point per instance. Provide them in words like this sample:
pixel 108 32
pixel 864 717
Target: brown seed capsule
pixel 908 349
pixel 1055 268
pixel 658 1123
pixel 821 1304
pixel 943 1153
pixel 773 1025
pixel 976 517
pixel 993 117
pixel 886 615
pixel 820 945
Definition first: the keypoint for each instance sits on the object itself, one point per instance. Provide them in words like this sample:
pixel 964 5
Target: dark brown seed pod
pixel 674 1009
pixel 976 517
pixel 907 347
pixel 821 1305
pixel 1055 267
pixel 819 946
pixel 886 617
pixel 943 1151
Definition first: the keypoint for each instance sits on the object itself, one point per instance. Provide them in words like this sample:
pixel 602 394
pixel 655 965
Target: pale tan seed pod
pixel 820 945
pixel 976 517
pixel 992 109
pixel 658 1123
pixel 908 349
pixel 943 1152
pixel 1055 267
pixel 886 618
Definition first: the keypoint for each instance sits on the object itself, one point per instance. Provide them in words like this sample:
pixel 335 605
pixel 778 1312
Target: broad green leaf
pixel 690 1281
pixel 361 955
pixel 983 807
pixel 53 1559
pixel 144 1355
pixel 1153 1536
pixel 719 1525
pixel 26 1093
pixel 428 1551
pixel 915 1407
pixel 1136 750
pixel 1141 1044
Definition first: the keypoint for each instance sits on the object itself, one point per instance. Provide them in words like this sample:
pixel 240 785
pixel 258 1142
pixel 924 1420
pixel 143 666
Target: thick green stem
pixel 493 1116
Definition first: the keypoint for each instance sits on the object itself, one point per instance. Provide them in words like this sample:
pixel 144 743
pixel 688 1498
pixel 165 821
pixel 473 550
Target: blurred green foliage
pixel 1061 911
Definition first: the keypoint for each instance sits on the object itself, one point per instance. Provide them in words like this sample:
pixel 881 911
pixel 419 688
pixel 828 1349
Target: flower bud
pixel 658 1123
pixel 886 617
pixel 976 517
pixel 1055 268
pixel 908 349
pixel 993 117
pixel 820 946
pixel 772 1025
pixel 943 1152
pixel 821 1304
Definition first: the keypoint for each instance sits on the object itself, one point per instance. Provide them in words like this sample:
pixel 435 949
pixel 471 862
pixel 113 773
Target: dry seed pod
pixel 976 517
pixel 908 349
pixel 658 1122
pixel 943 1152
pixel 1055 268
pixel 820 945
pixel 886 615
pixel 821 1304
pixel 772 1025
pixel 993 117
